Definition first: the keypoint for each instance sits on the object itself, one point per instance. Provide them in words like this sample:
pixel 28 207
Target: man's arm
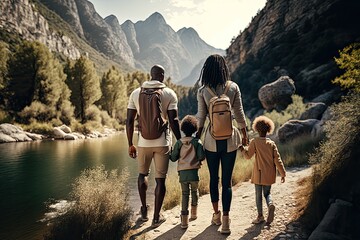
pixel 130 122
pixel 174 123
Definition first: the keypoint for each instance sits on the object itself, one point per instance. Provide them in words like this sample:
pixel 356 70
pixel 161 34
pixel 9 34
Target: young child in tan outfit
pixel 267 159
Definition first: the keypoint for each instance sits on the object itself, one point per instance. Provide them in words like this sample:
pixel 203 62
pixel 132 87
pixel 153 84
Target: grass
pixel 101 209
pixel 298 151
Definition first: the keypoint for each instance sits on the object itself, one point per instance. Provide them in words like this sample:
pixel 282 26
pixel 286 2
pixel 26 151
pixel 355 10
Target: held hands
pixel 132 151
pixel 282 179
pixel 245 141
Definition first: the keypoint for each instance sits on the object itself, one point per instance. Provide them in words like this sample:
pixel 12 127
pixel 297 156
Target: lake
pixel 35 173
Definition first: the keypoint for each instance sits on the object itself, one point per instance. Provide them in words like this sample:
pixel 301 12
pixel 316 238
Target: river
pixel 35 173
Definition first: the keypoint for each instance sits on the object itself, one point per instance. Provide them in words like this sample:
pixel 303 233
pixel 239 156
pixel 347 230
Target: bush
pixel 93 113
pixel 336 171
pixel 100 211
pixel 38 111
pixel 292 111
pixel 38 127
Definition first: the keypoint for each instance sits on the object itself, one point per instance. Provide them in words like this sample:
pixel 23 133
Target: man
pixel 157 149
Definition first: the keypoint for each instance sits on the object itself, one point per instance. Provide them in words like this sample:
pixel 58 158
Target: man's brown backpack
pixel 220 114
pixel 151 122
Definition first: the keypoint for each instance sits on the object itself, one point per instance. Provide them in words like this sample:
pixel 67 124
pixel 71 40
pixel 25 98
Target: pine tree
pixel 114 92
pixel 84 85
pixel 36 76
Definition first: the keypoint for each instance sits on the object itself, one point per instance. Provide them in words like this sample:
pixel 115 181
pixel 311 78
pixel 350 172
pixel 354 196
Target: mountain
pixel 73 27
pixel 154 41
pixel 295 38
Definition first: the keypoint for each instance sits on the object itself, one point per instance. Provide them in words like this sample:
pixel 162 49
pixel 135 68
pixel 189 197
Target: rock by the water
pixel 277 95
pixel 58 133
pixel 65 129
pixel 4 138
pixel 12 133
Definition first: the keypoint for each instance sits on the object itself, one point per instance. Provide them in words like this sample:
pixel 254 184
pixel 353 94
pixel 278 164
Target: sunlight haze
pixel 216 21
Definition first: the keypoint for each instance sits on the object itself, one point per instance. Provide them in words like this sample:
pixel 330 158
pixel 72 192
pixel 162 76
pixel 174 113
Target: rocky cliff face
pixel 107 39
pixel 19 16
pixel 295 38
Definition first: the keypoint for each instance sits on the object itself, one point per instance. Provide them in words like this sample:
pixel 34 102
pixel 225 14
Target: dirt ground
pixel 243 211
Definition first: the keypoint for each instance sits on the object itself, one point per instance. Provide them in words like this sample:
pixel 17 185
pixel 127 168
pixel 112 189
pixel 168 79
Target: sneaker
pixel 216 218
pixel 258 220
pixel 144 213
pixel 225 227
pixel 157 222
pixel 270 216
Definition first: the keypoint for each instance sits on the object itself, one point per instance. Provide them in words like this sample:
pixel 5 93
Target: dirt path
pixel 243 211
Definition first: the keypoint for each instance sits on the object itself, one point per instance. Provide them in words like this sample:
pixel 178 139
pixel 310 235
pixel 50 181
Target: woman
pixel 214 77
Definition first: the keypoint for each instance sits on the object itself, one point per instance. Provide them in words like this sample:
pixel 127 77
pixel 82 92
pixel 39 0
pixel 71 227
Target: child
pixel 267 159
pixel 189 152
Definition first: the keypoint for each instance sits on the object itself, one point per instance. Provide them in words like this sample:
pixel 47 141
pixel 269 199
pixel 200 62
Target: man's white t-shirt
pixel 168 102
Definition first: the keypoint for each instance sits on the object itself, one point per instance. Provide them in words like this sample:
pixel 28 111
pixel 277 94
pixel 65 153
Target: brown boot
pixel 184 221
pixel 193 212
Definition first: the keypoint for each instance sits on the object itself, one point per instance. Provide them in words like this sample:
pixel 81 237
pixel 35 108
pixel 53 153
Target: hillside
pixel 294 38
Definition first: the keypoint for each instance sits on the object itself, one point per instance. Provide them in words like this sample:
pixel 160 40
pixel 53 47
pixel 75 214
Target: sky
pixel 216 21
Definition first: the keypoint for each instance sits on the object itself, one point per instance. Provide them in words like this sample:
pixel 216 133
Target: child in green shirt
pixel 189 153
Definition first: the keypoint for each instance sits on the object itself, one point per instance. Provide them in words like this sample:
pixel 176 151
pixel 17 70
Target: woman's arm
pixel 250 151
pixel 240 115
pixel 201 113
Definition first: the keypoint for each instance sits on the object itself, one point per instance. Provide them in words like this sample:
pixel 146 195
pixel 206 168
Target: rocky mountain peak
pixel 188 32
pixel 112 19
pixel 155 18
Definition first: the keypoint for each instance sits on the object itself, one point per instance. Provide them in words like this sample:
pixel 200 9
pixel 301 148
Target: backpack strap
pixel 212 93
pixel 227 87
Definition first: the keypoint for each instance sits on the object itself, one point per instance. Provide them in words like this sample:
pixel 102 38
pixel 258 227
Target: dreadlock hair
pixel 263 124
pixel 189 125
pixel 214 72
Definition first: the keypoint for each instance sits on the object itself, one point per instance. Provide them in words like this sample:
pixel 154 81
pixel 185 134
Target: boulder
pixel 277 95
pixel 9 129
pixel 327 115
pixel 65 129
pixel 337 223
pixel 328 97
pixel 314 111
pixel 4 138
pixel 21 137
pixel 34 136
pixel 58 133
pixel 295 128
pixel 70 137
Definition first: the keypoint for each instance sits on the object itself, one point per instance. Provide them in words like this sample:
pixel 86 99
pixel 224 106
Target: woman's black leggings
pixel 227 161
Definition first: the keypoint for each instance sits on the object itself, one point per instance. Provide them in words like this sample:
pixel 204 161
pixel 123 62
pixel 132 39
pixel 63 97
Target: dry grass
pixel 100 210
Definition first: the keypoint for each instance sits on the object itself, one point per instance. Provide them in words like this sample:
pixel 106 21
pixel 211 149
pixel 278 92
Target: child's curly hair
pixel 263 124
pixel 189 125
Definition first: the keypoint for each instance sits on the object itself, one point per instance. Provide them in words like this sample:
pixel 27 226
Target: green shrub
pixel 93 113
pixel 38 111
pixel 100 211
pixel 38 127
pixel 292 111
